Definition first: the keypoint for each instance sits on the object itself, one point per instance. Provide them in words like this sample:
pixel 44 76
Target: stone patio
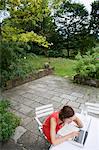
pixel 50 89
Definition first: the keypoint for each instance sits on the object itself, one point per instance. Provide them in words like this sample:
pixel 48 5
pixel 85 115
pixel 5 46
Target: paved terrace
pixel 46 90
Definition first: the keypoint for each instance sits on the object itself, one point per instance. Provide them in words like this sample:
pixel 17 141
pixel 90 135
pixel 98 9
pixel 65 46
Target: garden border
pixel 86 81
pixel 19 81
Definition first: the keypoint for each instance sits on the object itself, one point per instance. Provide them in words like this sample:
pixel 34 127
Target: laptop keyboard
pixel 80 137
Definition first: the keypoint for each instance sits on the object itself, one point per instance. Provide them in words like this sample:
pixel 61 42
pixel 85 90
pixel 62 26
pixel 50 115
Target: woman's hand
pixel 73 134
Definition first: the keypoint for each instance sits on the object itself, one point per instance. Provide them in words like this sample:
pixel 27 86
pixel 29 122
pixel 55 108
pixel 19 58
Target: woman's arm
pixel 78 122
pixel 57 140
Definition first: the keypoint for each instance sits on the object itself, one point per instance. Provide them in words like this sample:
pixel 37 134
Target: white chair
pixel 92 108
pixel 41 112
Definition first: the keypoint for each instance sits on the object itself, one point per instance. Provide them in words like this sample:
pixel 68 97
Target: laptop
pixel 83 133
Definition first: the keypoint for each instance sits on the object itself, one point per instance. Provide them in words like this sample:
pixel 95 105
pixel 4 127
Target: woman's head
pixel 66 113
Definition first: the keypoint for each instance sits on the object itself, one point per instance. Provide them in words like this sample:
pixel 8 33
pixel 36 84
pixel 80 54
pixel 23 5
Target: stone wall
pixel 86 81
pixel 19 81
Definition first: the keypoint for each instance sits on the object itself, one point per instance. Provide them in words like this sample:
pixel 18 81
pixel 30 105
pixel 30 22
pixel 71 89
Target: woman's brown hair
pixel 66 112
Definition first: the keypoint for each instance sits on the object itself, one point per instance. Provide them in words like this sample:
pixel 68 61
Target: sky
pixel 86 3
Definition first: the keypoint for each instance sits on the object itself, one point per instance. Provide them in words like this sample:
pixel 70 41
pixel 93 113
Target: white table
pixel 92 142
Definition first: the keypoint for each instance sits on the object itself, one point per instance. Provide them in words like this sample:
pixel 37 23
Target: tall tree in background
pixel 94 22
pixel 72 21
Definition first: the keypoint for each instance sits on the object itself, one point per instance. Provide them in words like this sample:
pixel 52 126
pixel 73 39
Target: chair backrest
pixel 43 111
pixel 92 108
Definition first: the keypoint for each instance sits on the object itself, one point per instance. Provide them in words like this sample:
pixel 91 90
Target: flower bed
pixel 87 81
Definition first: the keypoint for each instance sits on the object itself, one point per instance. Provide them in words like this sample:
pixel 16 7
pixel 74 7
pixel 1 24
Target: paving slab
pixel 77 94
pixel 69 97
pixel 73 104
pixel 25 109
pixel 56 98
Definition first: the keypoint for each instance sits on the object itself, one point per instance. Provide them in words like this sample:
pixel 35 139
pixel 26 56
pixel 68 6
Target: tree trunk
pixel 68 53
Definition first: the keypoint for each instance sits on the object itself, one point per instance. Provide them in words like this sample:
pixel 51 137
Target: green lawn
pixel 63 67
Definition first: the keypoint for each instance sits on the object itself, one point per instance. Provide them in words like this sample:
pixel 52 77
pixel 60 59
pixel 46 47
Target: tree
pixel 94 21
pixel 71 20
pixel 25 17
pixel 83 43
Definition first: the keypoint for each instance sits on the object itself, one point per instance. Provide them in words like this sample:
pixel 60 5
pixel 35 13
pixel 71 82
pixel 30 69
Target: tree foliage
pixel 94 22
pixel 26 16
pixel 72 22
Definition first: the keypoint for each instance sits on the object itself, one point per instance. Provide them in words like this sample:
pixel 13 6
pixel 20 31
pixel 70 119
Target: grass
pixel 63 67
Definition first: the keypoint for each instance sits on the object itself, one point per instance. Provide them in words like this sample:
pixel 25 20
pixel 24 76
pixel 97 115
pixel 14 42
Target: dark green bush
pixel 12 62
pixel 21 68
pixel 4 104
pixel 55 53
pixel 8 121
pixel 88 65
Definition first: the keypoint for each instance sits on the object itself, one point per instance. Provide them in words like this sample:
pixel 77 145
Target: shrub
pixel 95 49
pixel 8 121
pixel 4 104
pixel 55 53
pixel 87 65
pixel 21 68
pixel 12 62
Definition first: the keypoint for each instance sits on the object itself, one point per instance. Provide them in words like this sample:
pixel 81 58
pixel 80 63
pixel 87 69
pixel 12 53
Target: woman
pixel 56 120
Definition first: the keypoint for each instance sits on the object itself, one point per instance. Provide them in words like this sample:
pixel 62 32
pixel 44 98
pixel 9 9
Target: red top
pixel 46 125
